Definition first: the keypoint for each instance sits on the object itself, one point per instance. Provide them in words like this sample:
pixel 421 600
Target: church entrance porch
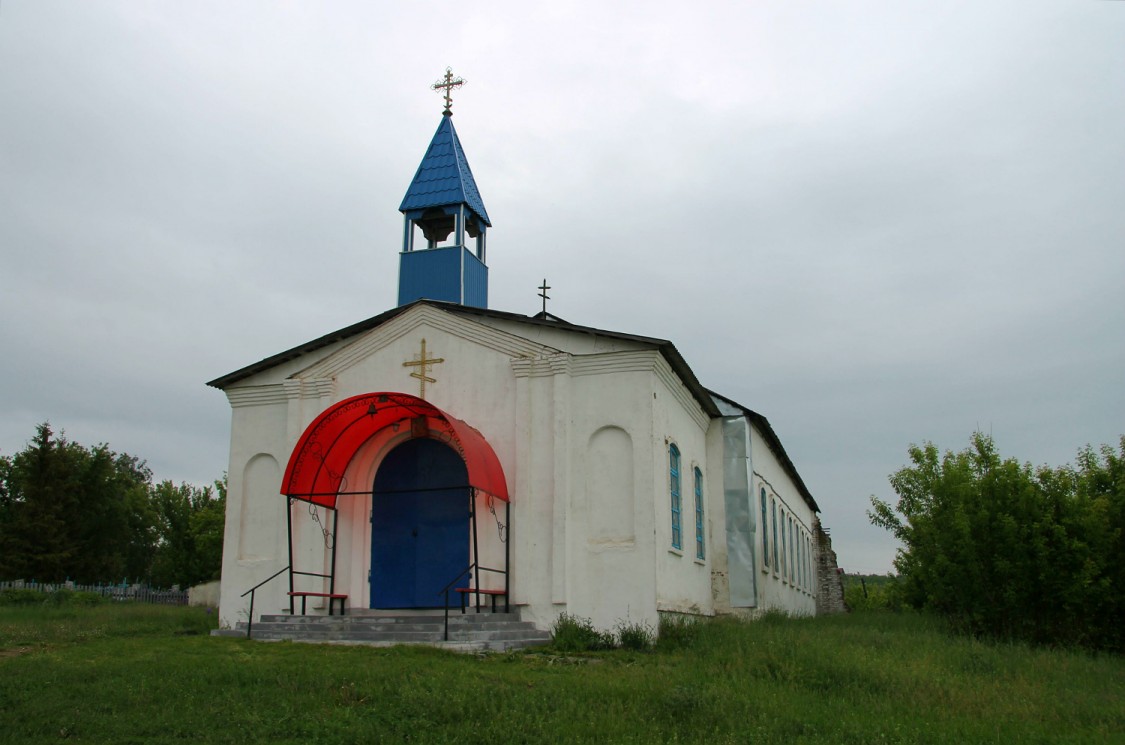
pixel 420 516
pixel 431 476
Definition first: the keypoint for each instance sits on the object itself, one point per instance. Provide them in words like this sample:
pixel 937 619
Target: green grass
pixel 137 674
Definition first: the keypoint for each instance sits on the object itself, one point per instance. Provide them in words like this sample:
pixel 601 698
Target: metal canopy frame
pixel 504 530
pixel 315 472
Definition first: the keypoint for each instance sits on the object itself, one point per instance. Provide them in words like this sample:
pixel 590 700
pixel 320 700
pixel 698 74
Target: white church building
pixel 445 451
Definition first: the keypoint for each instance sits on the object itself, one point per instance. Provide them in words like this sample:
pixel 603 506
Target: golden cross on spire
pixel 448 83
pixel 423 363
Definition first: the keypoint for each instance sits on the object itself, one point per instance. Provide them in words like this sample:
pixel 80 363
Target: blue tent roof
pixel 444 177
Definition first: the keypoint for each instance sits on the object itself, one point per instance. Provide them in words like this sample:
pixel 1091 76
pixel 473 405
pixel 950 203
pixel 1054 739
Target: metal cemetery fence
pixel 122 592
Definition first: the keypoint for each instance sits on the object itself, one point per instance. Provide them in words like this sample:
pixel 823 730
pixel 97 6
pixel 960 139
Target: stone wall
pixel 829 579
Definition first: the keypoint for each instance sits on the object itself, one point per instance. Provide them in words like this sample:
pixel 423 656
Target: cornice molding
pixel 309 387
pixel 257 395
pixel 608 363
pixel 543 366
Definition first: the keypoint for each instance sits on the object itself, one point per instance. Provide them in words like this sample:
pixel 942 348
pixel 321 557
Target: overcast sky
pixel 875 223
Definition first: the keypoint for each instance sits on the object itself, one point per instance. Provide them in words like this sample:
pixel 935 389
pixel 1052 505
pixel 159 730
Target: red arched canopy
pixel 321 456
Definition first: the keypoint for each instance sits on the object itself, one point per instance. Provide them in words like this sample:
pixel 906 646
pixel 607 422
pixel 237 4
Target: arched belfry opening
pixel 433 475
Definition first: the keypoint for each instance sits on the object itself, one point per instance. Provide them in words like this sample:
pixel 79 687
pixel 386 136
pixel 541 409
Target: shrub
pixel 86 598
pixel 24 596
pixel 774 616
pixel 62 596
pixel 1006 550
pixel 677 632
pixel 636 636
pixel 872 593
pixel 577 634
pixel 58 597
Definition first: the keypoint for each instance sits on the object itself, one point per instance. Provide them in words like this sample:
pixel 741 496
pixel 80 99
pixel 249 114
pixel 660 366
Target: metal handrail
pixel 445 591
pixel 467 570
pixel 476 591
pixel 252 590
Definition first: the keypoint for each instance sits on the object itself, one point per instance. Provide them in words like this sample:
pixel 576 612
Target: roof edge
pixel 775 444
pixel 667 348
pixel 272 361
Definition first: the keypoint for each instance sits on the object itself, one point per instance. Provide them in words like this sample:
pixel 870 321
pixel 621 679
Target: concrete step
pixel 527 635
pixel 263 632
pixel 455 619
pixel 469 632
pixel 363 625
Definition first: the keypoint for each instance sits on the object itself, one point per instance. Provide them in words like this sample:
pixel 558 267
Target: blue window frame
pixel 801 560
pixel 700 550
pixel 810 554
pixel 808 563
pixel 773 519
pixel 805 561
pixel 792 553
pixel 674 469
pixel 784 556
pixel 796 553
pixel 765 533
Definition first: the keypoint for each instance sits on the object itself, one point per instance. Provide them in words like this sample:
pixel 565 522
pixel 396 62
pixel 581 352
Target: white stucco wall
pixel 683 580
pixel 786 584
pixel 609 523
pixel 582 427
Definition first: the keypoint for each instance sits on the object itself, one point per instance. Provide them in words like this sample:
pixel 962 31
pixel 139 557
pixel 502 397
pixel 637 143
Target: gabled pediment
pixel 510 334
pixel 429 317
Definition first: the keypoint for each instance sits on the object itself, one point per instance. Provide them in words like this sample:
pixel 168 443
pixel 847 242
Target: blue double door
pixel 419 524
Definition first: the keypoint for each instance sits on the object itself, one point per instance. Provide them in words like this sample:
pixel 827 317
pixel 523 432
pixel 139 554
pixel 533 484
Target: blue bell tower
pixel 443 203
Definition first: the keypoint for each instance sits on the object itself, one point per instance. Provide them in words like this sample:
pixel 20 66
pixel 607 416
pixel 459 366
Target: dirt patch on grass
pixel 14 652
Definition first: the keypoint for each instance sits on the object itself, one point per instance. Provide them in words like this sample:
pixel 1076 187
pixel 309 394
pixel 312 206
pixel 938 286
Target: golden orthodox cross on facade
pixel 423 363
pixel 448 83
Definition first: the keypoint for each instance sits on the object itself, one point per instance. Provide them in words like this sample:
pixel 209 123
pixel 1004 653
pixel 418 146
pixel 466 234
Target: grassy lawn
pixel 144 674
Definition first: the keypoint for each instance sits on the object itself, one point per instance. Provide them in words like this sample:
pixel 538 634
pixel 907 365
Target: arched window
pixel 765 534
pixel 700 551
pixel 674 472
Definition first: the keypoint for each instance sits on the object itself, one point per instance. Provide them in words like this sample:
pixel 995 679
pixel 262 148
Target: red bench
pixel 332 597
pixel 466 591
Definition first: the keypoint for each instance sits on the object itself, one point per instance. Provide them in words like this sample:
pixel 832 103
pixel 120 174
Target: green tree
pixel 190 522
pixel 41 486
pixel 93 515
pixel 71 512
pixel 1003 549
pixel 207 526
pixel 112 492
